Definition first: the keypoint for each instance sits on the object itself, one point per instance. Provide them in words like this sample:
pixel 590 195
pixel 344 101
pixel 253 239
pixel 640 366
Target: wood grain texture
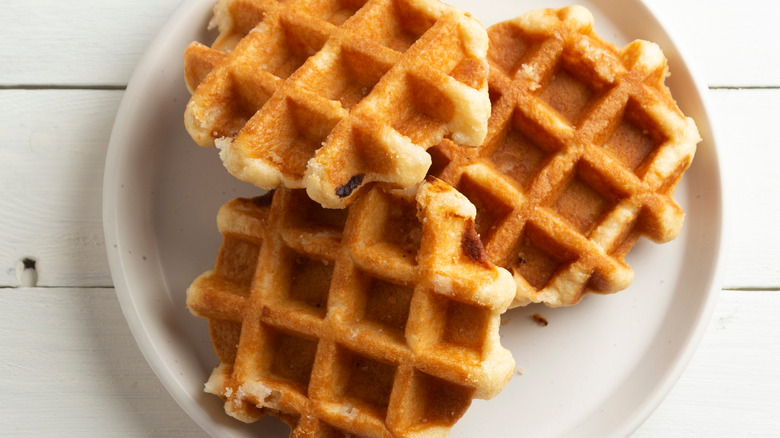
pixel 745 121
pixel 69 367
pixel 53 144
pixel 66 357
pixel 728 42
pixel 732 386
pixel 98 43
pixel 76 43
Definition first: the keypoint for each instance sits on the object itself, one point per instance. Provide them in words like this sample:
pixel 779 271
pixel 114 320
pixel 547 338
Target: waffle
pixel 378 320
pixel 585 147
pixel 332 95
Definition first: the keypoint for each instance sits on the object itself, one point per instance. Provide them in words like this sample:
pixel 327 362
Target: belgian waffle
pixel 585 147
pixel 331 95
pixel 378 320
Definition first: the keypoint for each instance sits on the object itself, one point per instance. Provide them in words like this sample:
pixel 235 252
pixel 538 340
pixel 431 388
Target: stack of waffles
pixel 424 176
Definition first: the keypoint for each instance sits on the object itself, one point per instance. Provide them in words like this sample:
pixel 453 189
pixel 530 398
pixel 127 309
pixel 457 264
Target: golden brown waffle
pixel 379 320
pixel 331 95
pixel 585 147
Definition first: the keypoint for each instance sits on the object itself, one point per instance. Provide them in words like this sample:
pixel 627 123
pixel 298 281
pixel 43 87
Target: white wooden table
pixel 68 363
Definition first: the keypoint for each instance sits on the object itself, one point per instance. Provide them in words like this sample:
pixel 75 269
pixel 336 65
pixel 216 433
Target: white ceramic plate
pixel 598 369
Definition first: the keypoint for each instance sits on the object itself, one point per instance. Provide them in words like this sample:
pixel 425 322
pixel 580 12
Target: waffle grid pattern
pixel 585 146
pixel 349 321
pixel 332 95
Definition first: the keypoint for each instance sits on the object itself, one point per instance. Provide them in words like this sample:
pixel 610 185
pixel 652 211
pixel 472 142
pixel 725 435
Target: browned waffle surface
pixel 585 147
pixel 379 320
pixel 332 95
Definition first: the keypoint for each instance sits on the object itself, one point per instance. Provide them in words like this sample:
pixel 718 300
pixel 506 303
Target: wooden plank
pixel 745 123
pixel 68 355
pixel 88 42
pixel 728 43
pixel 69 367
pixel 54 145
pixel 730 389
pixel 98 42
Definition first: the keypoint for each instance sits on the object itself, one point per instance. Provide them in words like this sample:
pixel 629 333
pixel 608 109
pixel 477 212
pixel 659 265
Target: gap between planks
pixel 34 87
